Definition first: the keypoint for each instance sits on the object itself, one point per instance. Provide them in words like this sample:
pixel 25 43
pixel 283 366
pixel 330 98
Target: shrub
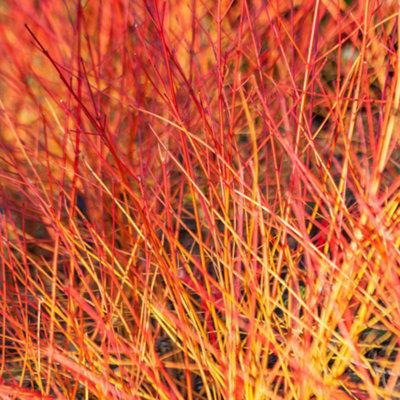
pixel 199 200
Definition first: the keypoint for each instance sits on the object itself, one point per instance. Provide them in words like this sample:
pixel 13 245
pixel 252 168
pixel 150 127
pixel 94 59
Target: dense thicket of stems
pixel 199 199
